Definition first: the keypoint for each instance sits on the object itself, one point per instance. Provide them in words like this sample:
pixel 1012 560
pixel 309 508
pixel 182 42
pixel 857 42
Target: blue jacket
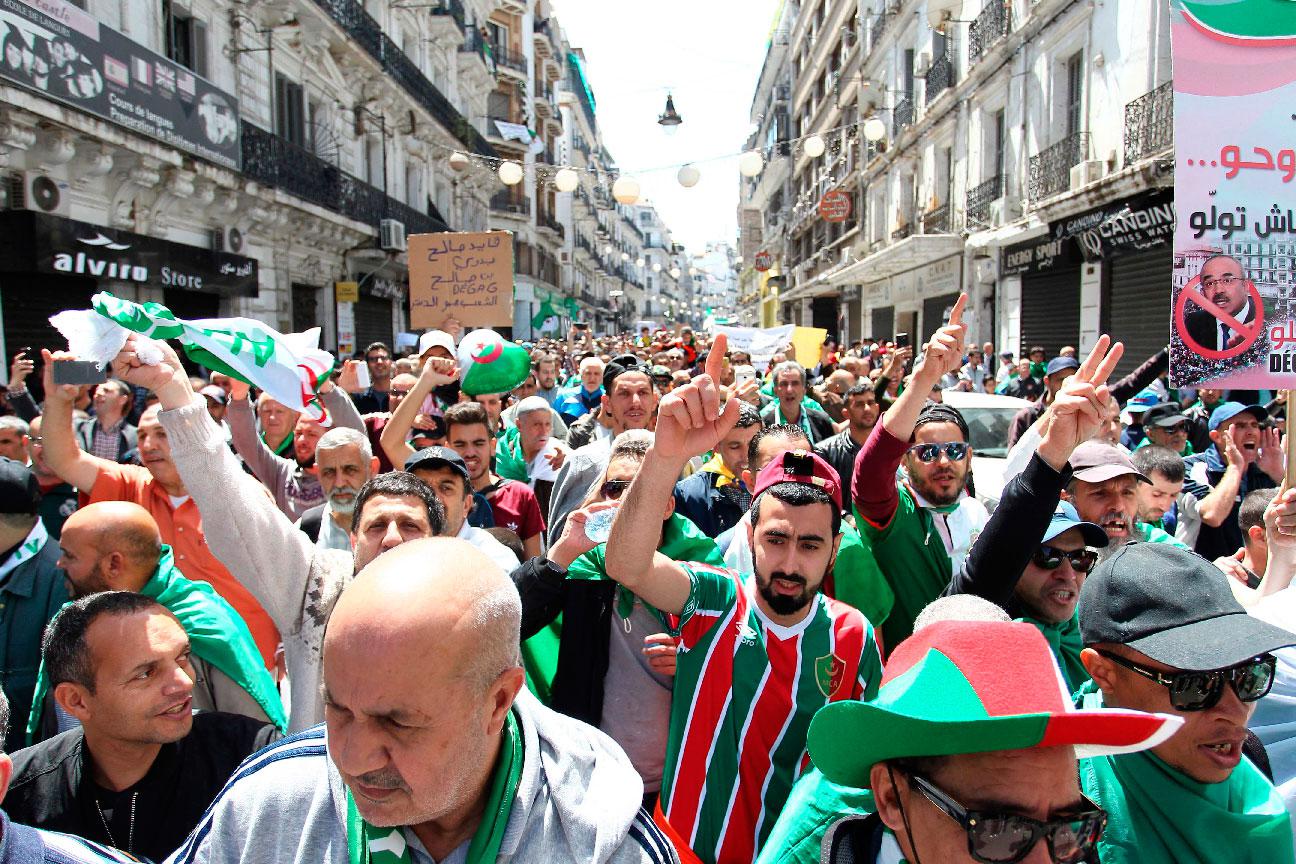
pixel 573 403
pixel 698 500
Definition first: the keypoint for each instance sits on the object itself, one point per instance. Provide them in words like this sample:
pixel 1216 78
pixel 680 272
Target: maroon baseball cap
pixel 800 466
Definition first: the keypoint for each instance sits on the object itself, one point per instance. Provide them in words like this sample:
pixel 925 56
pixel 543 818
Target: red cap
pixel 800 466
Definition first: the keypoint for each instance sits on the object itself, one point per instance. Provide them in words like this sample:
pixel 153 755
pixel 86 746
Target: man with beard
pixel 1158 500
pixel 861 410
pixel 142 767
pixel 160 489
pixel 1242 456
pixel 751 645
pixel 546 370
pixel 1163 633
pixel 344 462
pixel 920 528
pixel 432 749
pixel 1223 282
pixel 1103 490
pixel 115 546
pixel 296 581
pixel 293 482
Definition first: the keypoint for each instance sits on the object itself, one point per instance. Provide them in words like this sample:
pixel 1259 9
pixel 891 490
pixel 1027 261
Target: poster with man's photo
pixel 63 53
pixel 1233 309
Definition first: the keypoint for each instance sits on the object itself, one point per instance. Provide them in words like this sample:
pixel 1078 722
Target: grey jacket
pixel 582 469
pixel 577 801
pixel 295 490
pixel 294 581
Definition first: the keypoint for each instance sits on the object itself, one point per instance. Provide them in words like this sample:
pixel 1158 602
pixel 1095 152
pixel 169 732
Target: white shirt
pixel 1223 338
pixel 331 535
pixel 494 550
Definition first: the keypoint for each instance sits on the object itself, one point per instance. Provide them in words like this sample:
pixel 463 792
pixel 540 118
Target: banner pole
pixel 1290 407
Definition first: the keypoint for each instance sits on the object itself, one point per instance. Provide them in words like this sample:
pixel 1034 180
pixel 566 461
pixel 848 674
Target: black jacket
pixel 311 521
pixel 840 451
pixel 698 499
pixel 52 789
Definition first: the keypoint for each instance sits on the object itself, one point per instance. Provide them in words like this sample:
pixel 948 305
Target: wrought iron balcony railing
pixel 992 24
pixel 506 202
pixel 453 8
pixel 509 58
pixel 275 162
pixel 1050 169
pixel 937 221
pixel 979 198
pixel 903 114
pixel 1149 124
pixel 940 77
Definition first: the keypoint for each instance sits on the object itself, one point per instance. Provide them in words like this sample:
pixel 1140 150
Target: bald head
pixel 109 546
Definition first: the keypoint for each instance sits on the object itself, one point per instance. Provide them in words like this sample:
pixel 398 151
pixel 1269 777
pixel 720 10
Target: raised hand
pixel 574 542
pixel 1272 454
pixel 1080 408
pixel 22 367
pixel 691 419
pixel 1232 453
pixel 60 392
pixel 944 353
pixel 440 371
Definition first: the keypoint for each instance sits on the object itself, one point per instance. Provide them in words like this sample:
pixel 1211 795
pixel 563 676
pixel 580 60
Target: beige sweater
pixel 296 582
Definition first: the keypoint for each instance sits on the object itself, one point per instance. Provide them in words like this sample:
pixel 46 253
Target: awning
pixel 913 251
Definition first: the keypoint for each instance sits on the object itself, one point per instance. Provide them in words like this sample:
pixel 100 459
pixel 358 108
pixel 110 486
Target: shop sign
pixel 835 206
pixel 346 292
pixel 1131 225
pixel 764 261
pixel 64 54
pixel 1040 254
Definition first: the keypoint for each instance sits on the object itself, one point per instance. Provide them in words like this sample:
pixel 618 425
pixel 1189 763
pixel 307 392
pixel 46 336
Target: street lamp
pixel 670 119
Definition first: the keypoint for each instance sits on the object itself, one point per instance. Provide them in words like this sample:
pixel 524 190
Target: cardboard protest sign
pixel 468 276
pixel 1233 312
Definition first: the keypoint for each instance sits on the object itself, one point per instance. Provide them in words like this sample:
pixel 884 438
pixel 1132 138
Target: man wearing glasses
pixel 1163 633
pixel 922 527
pixel 1223 282
pixel 1166 426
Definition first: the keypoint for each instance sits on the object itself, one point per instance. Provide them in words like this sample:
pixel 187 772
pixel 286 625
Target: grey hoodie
pixel 577 801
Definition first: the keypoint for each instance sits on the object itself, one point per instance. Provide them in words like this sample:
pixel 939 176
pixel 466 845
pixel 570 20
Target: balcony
pixel 366 32
pixel 545 42
pixel 1149 124
pixel 978 201
pixel 507 202
pixel 1050 169
pixel 548 223
pixel 903 114
pixel 452 8
pixel 939 78
pixel 990 26
pixel 507 58
pixel 274 162
pixel 937 221
pixel 880 22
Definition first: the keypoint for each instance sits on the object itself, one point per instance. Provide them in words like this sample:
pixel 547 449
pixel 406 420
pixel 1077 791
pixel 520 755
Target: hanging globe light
pixel 675 272
pixel 625 190
pixel 874 129
pixel 459 161
pixel 657 268
pixel 639 262
pixel 510 173
pixel 566 180
pixel 813 146
pixel 688 176
pixel 750 163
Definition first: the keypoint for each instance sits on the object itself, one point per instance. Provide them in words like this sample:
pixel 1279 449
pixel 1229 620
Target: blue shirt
pixel 574 403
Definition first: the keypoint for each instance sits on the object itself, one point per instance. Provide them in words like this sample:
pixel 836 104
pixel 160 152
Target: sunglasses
pixel 1199 691
pixel 1050 558
pixel 955 451
pixel 1175 429
pixel 1001 838
pixel 612 490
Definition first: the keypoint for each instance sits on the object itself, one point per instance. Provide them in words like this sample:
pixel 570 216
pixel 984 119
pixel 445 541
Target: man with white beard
pixel 345 461
pixel 1103 491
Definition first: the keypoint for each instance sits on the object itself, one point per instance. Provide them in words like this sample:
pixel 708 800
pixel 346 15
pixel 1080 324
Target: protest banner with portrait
pixel 1233 322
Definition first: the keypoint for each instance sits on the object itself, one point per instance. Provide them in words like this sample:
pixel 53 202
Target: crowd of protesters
pixel 663 601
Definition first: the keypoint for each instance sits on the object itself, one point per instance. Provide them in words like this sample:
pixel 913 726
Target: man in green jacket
pixel 31 589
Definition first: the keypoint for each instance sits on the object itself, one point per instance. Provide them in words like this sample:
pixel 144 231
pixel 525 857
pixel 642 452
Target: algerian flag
pixel 290 367
pixel 488 363
pixel 546 312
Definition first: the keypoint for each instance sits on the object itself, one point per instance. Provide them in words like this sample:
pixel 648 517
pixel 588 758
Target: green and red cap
pixel 958 687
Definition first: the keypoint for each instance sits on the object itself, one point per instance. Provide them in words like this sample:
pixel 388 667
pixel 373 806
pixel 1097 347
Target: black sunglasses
pixel 1002 838
pixel 955 451
pixel 612 490
pixel 1050 558
pixel 1198 691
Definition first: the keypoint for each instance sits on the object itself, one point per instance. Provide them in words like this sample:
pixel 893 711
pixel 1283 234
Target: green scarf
pixel 367 844
pixel 1066 643
pixel 509 461
pixel 681 541
pixel 1156 815
pixel 540 659
pixel 284 447
pixel 216 634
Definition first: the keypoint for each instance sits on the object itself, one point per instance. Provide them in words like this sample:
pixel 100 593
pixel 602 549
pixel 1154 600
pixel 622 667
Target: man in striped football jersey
pixel 759 653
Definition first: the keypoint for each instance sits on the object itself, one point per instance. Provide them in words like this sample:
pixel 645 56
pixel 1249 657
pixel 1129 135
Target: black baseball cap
pixel 19 491
pixel 1174 606
pixel 620 365
pixel 1165 414
pixel 437 457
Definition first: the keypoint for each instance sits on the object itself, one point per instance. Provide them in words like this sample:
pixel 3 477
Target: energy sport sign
pixel 1233 291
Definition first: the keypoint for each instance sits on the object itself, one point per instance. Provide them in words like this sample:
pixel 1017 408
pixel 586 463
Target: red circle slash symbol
pixel 1249 333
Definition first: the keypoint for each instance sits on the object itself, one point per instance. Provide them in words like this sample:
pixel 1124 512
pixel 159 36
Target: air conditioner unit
pixel 391 235
pixel 1087 172
pixel 32 190
pixel 922 65
pixel 227 238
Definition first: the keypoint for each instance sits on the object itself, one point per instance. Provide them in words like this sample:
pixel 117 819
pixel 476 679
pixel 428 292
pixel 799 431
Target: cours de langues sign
pixel 63 53
pixel 467 276
pixel 1233 316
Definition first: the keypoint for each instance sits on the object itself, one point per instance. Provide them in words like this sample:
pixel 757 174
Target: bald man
pixel 431 748
pixel 116 546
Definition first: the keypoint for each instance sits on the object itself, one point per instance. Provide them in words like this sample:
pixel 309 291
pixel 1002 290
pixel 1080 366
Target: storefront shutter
pixel 1136 305
pixel 1050 310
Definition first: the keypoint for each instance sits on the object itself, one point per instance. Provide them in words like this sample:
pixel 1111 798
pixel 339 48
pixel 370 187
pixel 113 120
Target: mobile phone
pixel 362 374
pixel 78 372
pixel 902 340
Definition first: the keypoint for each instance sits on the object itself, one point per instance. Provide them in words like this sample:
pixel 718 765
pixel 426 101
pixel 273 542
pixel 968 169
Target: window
pixel 907 74
pixel 1074 93
pixel 498 35
pixel 999 146
pixel 290 119
pixel 186 38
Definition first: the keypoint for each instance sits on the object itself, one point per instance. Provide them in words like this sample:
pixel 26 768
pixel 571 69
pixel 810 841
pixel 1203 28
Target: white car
pixel 989 418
